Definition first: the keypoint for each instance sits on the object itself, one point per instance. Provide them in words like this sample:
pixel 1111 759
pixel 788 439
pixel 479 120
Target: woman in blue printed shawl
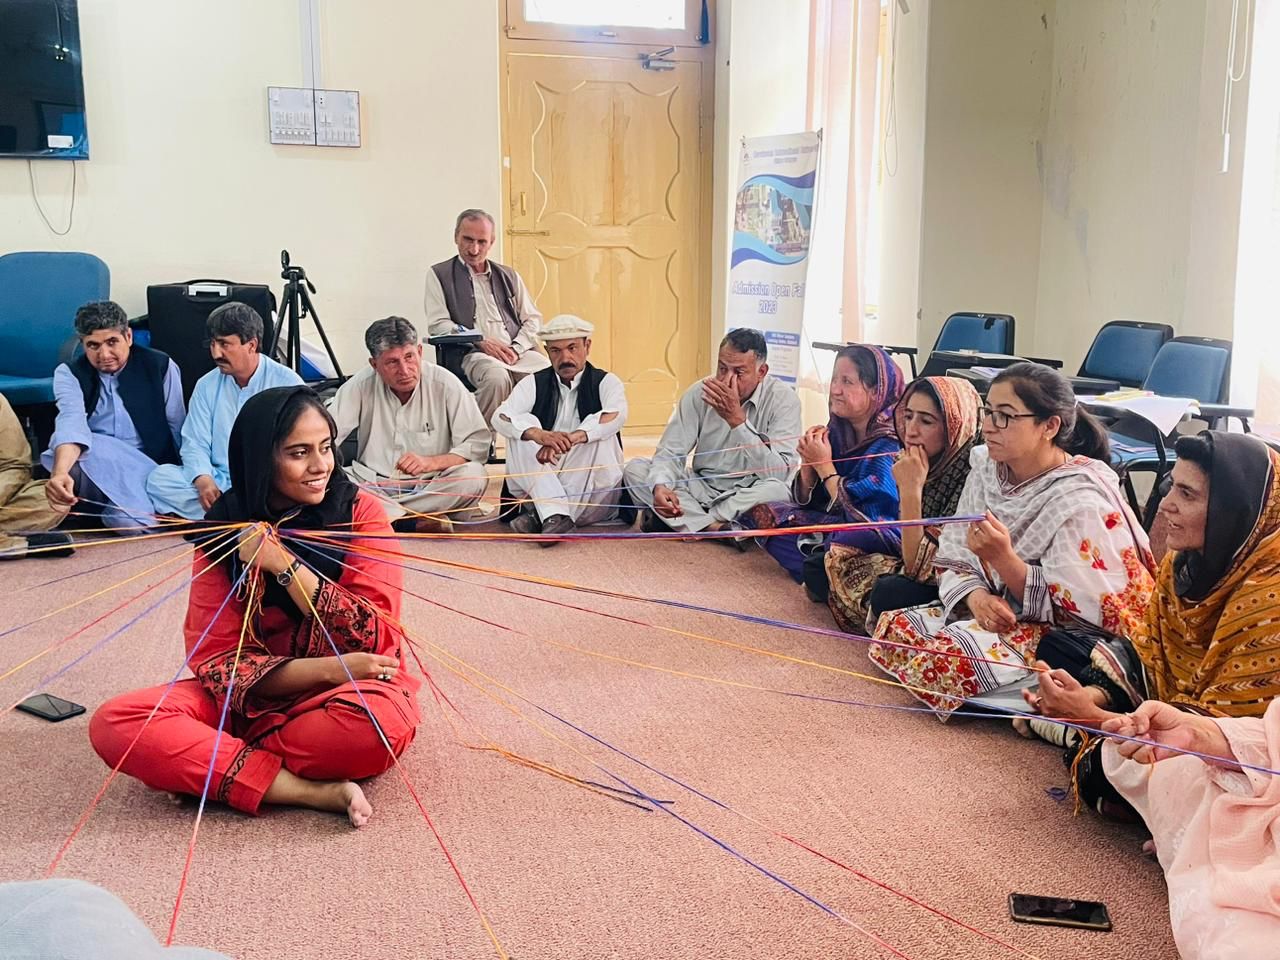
pixel 847 470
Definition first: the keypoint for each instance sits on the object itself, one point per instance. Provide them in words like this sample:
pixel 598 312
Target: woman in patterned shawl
pixel 1058 550
pixel 937 425
pixel 1211 643
pixel 302 662
pixel 846 473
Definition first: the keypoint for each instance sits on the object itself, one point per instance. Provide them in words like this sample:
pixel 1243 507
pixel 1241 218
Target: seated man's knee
pixel 491 375
pixel 636 471
pixel 472 471
pixel 162 477
pixel 476 487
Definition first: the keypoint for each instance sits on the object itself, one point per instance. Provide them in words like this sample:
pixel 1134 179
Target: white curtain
pixel 844 42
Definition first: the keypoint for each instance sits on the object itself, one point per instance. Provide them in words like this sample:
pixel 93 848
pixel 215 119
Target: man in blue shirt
pixel 120 413
pixel 240 372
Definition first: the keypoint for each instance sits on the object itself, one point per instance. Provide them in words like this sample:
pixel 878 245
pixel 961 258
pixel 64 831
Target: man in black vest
pixel 471 292
pixel 564 450
pixel 120 413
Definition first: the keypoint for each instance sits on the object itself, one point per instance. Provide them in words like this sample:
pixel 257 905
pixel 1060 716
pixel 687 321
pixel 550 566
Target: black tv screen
pixel 41 89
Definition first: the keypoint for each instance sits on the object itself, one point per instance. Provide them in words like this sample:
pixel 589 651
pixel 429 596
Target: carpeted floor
pixel 957 816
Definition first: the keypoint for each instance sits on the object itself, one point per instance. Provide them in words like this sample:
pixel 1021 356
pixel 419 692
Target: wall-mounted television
pixel 41 88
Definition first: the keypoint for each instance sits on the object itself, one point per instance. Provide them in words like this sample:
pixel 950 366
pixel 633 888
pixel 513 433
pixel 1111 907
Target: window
pixel 680 23
pixel 657 14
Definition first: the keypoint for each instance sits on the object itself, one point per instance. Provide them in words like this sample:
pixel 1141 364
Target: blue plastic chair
pixel 1124 351
pixel 977 332
pixel 982 332
pixel 1195 367
pixel 39 296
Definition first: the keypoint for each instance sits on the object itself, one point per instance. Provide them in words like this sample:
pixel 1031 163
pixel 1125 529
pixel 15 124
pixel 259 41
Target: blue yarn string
pixel 986 713
pixel 98 569
pixel 636 791
pixel 745 533
pixel 49 678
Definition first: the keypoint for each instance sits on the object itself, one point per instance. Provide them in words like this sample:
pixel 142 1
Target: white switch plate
pixel 338 118
pixel 291 114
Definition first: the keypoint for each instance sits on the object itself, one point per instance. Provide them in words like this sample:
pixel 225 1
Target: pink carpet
pixel 957 816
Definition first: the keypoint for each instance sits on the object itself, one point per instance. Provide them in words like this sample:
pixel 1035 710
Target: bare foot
pixel 359 810
pixel 342 796
pixel 333 796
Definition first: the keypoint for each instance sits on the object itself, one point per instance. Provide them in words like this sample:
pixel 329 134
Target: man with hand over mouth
pixel 742 427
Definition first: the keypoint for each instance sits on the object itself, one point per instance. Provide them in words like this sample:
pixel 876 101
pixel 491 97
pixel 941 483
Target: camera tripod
pixel 295 304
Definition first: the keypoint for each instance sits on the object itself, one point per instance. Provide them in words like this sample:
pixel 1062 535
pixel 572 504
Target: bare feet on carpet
pixel 335 796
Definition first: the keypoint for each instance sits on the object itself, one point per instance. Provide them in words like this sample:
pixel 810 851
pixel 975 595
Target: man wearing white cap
pixel 564 454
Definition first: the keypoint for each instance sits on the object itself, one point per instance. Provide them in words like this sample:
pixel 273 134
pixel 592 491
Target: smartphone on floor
pixel 1059 912
pixel 51 708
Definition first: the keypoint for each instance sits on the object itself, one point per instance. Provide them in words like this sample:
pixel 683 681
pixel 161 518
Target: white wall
pixel 1256 379
pixel 183 183
pixel 988 97
pixel 1214 239
pixel 1060 160
pixel 961 191
pixel 1131 182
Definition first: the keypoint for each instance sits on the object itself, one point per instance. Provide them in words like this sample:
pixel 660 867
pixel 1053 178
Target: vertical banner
pixel 772 223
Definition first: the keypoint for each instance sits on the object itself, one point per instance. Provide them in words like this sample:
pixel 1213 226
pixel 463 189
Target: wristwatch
pixel 285 576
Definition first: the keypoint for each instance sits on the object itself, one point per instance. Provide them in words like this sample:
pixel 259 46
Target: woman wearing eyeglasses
pixel 1058 548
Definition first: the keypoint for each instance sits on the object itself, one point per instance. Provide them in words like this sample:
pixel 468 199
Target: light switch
pixel 339 121
pixel 291 115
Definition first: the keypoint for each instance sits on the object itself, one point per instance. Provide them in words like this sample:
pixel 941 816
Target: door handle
pixel 512 232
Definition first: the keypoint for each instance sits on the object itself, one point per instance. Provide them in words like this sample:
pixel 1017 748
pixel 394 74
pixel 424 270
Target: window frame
pixel 517 27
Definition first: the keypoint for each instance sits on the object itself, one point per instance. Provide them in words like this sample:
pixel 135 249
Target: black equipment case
pixel 176 315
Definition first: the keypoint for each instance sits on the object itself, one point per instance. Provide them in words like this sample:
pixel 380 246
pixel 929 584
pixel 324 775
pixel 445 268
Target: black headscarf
pixel 251 462
pixel 1239 480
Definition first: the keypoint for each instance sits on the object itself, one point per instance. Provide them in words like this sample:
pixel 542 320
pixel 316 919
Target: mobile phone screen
pixel 1059 911
pixel 49 707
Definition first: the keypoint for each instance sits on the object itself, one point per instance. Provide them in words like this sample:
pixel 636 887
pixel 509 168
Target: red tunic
pixel 322 734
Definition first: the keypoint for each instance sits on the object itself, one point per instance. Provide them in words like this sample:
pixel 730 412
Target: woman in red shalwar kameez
pixel 297 732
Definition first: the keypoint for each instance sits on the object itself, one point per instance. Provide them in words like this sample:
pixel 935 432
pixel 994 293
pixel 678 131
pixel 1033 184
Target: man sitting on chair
pixel 421 442
pixel 120 413
pixel 240 372
pixel 563 449
pixel 742 427
pixel 470 291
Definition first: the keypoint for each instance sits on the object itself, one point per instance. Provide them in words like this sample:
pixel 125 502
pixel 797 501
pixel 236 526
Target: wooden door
pixel 607 183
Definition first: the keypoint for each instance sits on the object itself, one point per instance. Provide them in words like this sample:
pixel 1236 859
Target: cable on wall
pixel 1234 74
pixel 35 196
pixel 891 107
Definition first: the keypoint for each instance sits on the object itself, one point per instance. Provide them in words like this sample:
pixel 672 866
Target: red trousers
pixel 328 737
